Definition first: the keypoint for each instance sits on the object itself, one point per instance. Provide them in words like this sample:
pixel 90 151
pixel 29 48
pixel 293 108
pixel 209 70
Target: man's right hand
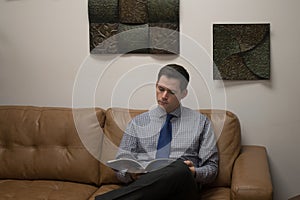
pixel 135 176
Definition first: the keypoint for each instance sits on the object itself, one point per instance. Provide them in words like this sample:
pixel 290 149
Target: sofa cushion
pixel 43 143
pixel 226 127
pixel 103 189
pixel 35 190
pixel 216 193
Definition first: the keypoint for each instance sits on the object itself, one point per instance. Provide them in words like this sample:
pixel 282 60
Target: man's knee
pixel 183 180
pixel 180 168
pixel 178 171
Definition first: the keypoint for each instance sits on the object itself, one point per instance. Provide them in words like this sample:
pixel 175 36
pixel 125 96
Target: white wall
pixel 44 47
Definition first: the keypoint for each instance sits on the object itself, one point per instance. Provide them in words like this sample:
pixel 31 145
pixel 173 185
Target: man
pixel 169 130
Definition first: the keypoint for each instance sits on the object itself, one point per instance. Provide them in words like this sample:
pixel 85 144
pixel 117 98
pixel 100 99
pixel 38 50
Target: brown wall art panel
pixel 241 51
pixel 134 26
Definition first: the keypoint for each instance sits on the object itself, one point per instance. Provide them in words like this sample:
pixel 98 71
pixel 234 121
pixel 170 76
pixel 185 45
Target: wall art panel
pixel 134 26
pixel 241 51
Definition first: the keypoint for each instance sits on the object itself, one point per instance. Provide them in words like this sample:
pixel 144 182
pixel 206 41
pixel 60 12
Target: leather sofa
pixel 55 153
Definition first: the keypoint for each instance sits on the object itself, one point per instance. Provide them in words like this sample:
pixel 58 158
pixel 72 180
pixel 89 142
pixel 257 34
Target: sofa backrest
pixel 226 127
pixel 43 143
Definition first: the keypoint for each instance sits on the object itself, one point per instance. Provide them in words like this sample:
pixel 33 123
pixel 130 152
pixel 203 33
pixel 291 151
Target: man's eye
pixel 171 92
pixel 161 89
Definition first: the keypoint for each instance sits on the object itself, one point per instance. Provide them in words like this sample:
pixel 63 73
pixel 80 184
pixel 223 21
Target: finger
pixel 189 163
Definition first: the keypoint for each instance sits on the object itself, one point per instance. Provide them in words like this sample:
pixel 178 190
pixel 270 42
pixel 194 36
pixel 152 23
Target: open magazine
pixel 133 166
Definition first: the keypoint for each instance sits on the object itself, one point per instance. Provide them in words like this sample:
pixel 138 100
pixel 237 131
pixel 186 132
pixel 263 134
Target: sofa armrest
pixel 251 179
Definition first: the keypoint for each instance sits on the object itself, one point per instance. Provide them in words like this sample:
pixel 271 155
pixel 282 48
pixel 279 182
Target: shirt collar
pixel 160 112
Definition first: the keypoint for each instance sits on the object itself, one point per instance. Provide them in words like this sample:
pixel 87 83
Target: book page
pixel 127 164
pixel 133 166
pixel 158 164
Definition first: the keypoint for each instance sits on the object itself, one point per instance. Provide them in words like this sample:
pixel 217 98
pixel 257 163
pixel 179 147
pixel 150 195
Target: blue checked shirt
pixel 192 139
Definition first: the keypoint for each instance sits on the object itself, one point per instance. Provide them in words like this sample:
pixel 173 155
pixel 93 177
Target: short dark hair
pixel 175 71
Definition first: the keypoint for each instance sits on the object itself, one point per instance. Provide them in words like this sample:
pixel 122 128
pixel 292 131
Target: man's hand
pixel 190 164
pixel 134 176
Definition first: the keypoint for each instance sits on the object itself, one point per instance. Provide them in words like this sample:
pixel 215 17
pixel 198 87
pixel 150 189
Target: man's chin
pixel 163 105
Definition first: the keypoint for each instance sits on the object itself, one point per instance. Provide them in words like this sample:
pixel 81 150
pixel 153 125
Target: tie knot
pixel 169 117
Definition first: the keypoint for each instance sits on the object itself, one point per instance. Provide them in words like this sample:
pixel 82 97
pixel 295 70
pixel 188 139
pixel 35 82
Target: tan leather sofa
pixel 42 156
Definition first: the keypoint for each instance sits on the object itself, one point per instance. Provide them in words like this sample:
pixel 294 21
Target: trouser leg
pixel 172 182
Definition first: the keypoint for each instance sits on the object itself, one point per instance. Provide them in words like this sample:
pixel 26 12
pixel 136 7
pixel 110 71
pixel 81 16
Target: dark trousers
pixel 172 182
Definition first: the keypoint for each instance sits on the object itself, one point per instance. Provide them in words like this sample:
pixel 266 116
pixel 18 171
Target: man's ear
pixel 184 93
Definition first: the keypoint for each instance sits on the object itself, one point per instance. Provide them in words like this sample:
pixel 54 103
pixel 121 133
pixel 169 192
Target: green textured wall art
pixel 134 26
pixel 241 51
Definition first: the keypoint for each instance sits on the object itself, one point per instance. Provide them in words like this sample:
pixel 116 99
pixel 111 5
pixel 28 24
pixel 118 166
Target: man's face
pixel 168 93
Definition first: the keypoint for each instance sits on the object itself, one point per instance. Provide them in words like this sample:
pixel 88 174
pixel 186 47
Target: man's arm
pixel 127 149
pixel 208 152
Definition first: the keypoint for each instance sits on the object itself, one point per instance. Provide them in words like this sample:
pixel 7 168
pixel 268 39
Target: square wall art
pixel 241 51
pixel 134 26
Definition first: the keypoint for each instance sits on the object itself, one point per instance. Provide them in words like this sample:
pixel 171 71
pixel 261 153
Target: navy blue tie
pixel 165 137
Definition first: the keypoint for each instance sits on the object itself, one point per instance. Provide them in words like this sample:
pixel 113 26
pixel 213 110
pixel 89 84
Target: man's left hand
pixel 190 164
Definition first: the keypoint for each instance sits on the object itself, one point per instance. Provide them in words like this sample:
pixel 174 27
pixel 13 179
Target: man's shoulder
pixel 141 118
pixel 194 113
pixel 142 115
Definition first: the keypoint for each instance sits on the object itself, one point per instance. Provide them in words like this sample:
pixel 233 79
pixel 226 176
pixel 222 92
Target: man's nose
pixel 165 94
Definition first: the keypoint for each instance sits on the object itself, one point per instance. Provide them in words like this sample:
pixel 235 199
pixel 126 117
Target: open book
pixel 133 166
